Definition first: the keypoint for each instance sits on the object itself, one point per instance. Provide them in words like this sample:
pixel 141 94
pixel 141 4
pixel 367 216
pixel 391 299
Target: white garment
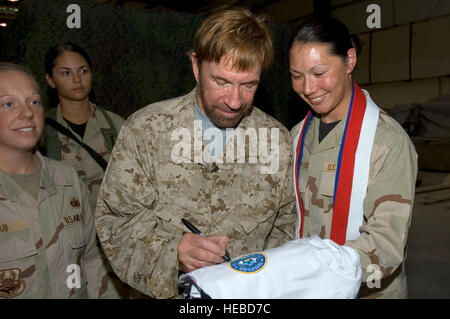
pixel 302 268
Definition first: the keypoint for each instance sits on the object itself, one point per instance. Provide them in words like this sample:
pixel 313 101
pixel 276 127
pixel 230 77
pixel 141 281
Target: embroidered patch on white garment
pixel 250 264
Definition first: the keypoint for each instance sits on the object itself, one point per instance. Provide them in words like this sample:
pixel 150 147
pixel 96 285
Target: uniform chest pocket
pixel 16 246
pixel 75 247
pixel 17 265
pixel 303 177
pixel 327 179
pixel 75 242
pixel 250 185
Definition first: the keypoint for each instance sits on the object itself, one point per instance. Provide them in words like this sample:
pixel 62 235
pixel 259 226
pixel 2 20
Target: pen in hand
pixel 195 230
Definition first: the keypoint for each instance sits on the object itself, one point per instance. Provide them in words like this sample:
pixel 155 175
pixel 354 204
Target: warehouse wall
pixel 406 60
pixel 138 56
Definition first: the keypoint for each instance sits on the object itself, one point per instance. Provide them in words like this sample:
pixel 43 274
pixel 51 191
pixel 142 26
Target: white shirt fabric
pixel 303 268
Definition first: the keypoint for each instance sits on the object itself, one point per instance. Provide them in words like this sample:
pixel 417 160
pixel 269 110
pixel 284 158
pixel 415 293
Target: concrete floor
pixel 428 260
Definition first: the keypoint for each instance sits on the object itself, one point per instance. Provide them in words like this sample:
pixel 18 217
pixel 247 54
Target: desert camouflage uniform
pixel 74 154
pixel 387 205
pixel 39 240
pixel 145 193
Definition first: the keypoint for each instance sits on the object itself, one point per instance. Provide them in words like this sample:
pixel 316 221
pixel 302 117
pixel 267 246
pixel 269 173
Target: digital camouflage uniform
pixel 387 205
pixel 39 240
pixel 145 193
pixel 74 154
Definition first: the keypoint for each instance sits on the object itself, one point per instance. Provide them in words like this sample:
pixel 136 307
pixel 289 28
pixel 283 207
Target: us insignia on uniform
pixel 250 264
pixel 11 285
pixel 75 202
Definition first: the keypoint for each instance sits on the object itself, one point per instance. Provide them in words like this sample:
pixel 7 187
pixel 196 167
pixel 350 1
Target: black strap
pixel 57 126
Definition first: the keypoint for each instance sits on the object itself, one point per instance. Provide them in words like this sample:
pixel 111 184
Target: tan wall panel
pixel 354 15
pixel 390 54
pixel 431 48
pixel 387 95
pixel 442 8
pixel 416 10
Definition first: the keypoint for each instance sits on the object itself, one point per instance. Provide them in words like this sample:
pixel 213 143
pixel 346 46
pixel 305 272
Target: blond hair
pixel 236 34
pixel 10 67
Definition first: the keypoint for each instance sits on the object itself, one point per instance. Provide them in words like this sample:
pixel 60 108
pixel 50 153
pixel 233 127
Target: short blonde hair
pixel 10 67
pixel 236 33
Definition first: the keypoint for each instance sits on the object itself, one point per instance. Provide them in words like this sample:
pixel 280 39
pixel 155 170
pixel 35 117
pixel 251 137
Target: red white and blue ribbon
pixel 352 172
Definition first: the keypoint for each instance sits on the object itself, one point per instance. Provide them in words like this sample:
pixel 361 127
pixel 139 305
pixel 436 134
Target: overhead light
pixel 3 24
pixel 7 10
pixel 13 0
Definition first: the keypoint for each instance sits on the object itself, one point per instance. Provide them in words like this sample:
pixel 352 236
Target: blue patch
pixel 249 264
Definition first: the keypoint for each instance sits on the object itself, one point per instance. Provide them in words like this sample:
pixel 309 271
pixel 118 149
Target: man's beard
pixel 216 119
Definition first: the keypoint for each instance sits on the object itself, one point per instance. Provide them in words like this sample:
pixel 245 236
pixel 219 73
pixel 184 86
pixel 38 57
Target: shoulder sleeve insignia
pixel 11 283
pixel 250 264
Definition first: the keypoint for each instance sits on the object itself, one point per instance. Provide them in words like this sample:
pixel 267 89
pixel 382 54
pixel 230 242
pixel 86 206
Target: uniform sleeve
pixel 387 206
pixel 98 271
pixel 286 220
pixel 142 252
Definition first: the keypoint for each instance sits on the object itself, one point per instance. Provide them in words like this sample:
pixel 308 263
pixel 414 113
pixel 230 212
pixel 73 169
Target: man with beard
pixel 166 165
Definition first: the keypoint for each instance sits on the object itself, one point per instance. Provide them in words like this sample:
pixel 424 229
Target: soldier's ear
pixel 195 66
pixel 351 60
pixel 50 81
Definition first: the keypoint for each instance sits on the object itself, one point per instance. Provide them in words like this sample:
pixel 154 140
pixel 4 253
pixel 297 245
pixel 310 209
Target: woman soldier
pixel 47 235
pixel 355 167
pixel 68 71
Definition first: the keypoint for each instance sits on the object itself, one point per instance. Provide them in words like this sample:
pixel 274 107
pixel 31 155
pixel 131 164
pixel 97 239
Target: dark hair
pixel 54 52
pixel 327 30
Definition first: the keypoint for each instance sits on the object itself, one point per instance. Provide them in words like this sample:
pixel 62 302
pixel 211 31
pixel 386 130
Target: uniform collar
pixel 50 178
pixel 8 188
pixel 333 139
pixel 187 104
pixel 95 122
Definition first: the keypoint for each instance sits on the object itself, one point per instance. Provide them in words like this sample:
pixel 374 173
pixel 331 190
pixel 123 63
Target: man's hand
pixel 195 251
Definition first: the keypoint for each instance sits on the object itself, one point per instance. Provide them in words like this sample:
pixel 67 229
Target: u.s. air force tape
pixel 302 268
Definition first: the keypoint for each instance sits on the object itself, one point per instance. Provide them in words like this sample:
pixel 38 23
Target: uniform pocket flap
pixel 172 216
pixel 16 248
pixel 74 235
pixel 77 243
pixel 327 183
pixel 249 222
